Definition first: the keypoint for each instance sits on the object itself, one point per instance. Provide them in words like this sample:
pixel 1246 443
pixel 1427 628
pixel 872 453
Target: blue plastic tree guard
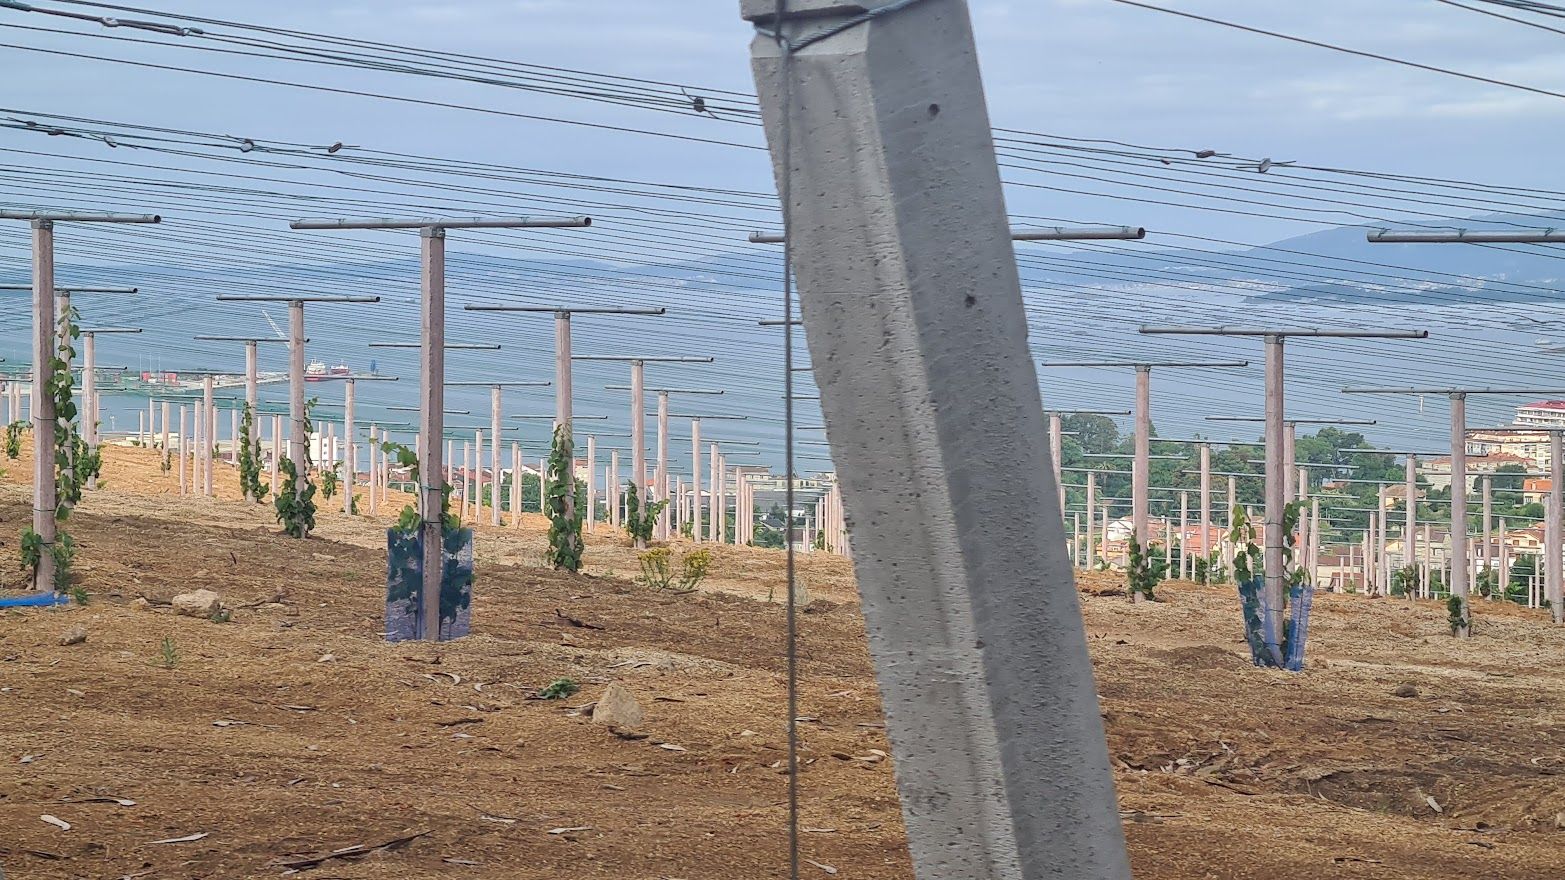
pixel 405 584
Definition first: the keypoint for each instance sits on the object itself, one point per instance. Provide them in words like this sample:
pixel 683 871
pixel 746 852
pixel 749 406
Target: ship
pixel 317 371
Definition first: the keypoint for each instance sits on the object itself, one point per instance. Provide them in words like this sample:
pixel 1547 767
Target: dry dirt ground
pixel 293 732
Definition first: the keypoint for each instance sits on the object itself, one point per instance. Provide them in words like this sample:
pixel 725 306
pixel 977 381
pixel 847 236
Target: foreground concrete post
pixel 1206 509
pixel 913 312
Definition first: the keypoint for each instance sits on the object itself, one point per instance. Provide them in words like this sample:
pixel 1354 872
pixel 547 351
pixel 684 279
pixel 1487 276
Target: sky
pixel 1068 68
pixel 1078 68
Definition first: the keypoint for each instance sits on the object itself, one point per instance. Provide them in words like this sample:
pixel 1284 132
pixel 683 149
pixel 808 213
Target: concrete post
pixel 495 453
pixel 184 452
pixel 164 414
pixel 1141 464
pixel 45 340
pixel 715 497
pixel 638 428
pixel 592 482
pixel 432 408
pixel 277 450
pixel 89 407
pixel 543 470
pixel 1485 549
pixel 209 436
pixel 661 477
pixel 913 314
pixel 1092 498
pixel 1184 535
pixel 1553 552
pixel 1459 554
pixel 298 443
pixel 1275 588
pixel 516 485
pixel 1382 565
pixel 1312 559
pixel 1505 562
pixel 1206 509
pixel 373 472
pixel 695 485
pixel 614 489
pixel 1233 507
pixel 1056 455
pixel 233 435
pixel 1410 549
pixel 349 453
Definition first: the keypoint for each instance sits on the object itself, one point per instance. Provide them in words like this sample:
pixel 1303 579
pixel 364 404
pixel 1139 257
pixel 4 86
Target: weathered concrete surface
pixel 913 310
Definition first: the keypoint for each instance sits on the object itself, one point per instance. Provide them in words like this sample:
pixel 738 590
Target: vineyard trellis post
pixel 46 347
pixel 89 409
pixel 432 282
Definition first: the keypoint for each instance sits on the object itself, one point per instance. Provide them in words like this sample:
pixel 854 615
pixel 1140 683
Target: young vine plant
pixel 295 501
pixel 565 513
pixel 74 463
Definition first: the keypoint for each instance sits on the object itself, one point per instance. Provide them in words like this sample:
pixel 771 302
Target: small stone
pixel 617 708
pixel 327 658
pixel 74 636
pixel 1405 689
pixel 140 603
pixel 201 603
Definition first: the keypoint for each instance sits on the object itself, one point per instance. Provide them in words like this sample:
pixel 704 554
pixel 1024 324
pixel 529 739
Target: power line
pixel 1345 50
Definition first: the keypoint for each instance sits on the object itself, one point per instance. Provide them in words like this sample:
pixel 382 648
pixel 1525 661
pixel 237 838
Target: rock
pixel 201 603
pixel 140 604
pixel 617 708
pixel 327 658
pixel 74 636
pixel 1405 689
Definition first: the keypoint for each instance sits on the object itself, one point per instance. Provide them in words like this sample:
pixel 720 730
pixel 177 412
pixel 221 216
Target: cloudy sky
pixel 1079 68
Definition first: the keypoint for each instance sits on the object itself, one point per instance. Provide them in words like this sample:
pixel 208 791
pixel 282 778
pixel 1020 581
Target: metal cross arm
pixel 445 223
pixel 449 346
pixel 76 217
pixel 1242 330
pixel 63 288
pixel 1320 421
pixel 449 412
pixel 570 310
pixel 241 339
pixel 1088 412
pixel 1464 236
pixel 295 298
pixel 497 384
pixel 1045 233
pixel 551 416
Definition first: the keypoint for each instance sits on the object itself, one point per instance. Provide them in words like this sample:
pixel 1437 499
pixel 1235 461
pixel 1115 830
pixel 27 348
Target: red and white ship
pixel 317 371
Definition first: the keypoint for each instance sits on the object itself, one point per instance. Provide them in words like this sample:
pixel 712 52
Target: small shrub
pixel 559 689
pixel 168 656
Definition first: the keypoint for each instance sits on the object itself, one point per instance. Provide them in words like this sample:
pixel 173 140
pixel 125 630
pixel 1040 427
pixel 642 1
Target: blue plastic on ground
pixel 37 600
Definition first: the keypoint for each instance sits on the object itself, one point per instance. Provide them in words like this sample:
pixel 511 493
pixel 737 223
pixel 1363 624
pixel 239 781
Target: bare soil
pixel 293 731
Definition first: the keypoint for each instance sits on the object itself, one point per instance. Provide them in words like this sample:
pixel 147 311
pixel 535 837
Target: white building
pixel 1548 413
